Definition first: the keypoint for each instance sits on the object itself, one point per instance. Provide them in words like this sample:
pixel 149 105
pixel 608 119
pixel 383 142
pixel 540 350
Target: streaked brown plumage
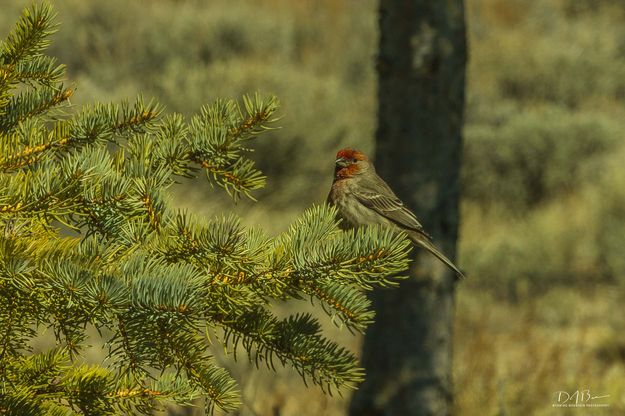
pixel 363 198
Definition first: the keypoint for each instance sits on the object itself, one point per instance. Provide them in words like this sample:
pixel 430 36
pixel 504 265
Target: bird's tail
pixel 422 241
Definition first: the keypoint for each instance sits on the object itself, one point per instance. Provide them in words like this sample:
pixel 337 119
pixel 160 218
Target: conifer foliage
pixel 157 283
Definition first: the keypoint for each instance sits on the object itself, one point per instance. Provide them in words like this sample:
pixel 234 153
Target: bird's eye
pixel 354 160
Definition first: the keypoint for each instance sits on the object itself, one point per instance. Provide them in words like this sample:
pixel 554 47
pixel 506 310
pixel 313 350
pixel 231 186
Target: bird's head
pixel 350 163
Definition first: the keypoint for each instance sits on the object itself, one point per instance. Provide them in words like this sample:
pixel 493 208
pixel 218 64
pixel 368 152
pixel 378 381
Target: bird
pixel 361 197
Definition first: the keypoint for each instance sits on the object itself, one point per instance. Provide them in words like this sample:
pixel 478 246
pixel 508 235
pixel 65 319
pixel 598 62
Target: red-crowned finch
pixel 363 198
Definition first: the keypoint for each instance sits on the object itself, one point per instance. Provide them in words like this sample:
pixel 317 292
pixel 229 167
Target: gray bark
pixel 407 352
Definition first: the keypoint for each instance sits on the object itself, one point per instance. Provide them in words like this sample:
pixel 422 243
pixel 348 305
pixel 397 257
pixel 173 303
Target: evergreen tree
pixel 157 283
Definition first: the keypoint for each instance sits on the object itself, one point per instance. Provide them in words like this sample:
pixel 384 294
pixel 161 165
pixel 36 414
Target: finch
pixel 361 197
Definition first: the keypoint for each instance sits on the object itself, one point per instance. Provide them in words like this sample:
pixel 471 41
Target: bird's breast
pixel 350 210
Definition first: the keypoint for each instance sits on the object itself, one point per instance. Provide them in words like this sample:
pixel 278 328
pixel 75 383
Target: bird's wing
pixel 378 196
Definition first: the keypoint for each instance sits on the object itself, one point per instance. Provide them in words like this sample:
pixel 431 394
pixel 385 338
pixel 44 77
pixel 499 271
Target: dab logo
pixel 579 398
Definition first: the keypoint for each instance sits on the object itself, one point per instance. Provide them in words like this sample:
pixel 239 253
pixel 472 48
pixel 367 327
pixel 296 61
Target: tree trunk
pixel 421 68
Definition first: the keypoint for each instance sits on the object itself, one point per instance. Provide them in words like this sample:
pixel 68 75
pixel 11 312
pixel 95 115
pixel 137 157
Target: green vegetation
pixel 91 240
pixel 543 228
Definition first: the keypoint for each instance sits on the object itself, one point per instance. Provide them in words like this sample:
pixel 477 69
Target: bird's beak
pixel 341 162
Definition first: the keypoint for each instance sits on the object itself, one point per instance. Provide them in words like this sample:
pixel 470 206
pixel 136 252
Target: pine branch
pixel 219 386
pixel 41 69
pixel 102 123
pixel 19 309
pixel 30 36
pixel 30 142
pixel 259 113
pixel 216 142
pixel 295 341
pixel 346 303
pixel 31 103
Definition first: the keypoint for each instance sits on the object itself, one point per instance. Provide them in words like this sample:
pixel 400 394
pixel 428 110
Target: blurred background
pixel 543 221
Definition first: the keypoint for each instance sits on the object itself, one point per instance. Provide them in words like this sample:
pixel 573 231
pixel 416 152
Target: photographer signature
pixel 578 398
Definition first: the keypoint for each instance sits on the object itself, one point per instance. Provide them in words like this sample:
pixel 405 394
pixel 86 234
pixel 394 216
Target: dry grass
pixel 512 358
